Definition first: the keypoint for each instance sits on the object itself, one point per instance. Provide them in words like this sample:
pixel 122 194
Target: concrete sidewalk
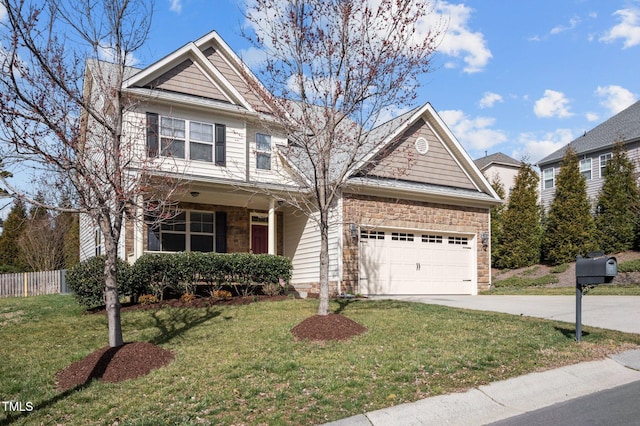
pixel 512 397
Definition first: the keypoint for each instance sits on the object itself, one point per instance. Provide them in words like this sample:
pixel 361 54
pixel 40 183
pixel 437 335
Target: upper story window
pixel 201 141
pixel 172 137
pixel 263 151
pixel 603 163
pixel 585 168
pixel 179 138
pixel 548 178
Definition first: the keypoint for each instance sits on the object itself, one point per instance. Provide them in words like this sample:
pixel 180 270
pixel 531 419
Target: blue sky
pixel 519 77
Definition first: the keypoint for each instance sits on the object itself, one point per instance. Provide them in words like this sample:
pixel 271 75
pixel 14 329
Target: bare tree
pixel 333 71
pixel 63 113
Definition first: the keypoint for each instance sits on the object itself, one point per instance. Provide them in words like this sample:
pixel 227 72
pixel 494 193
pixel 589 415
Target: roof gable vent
pixel 422 146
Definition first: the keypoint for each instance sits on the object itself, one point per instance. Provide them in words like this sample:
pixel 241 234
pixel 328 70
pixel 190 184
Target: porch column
pixel 138 229
pixel 272 227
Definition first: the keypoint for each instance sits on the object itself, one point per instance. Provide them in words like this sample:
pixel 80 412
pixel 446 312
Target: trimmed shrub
pixel 183 272
pixel 86 281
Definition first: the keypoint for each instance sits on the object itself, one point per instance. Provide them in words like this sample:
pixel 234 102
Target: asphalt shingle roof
pixel 497 158
pixel 622 127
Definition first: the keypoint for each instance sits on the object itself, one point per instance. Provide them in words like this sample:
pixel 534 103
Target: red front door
pixel 259 239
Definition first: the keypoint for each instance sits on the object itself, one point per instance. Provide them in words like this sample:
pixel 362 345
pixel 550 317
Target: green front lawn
pixel 241 365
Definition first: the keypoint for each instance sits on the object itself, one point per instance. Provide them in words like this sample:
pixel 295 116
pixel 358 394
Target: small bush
pixel 222 294
pixel 560 268
pixel 188 297
pixel 629 266
pixel 272 289
pixel 147 299
pixel 86 281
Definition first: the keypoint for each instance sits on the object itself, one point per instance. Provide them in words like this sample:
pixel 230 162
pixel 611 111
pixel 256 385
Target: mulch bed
pixel 114 365
pixel 139 358
pixel 327 327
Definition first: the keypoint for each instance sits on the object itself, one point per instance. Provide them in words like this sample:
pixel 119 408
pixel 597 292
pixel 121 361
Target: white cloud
pixel 534 148
pixel 473 133
pixel 628 29
pixel 573 22
pixel 176 6
pixel 459 41
pixel 592 116
pixel 3 13
pixel 552 104
pixel 253 56
pixel 489 99
pixel 616 98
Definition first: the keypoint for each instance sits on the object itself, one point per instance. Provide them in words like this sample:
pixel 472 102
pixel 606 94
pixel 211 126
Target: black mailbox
pixel 595 270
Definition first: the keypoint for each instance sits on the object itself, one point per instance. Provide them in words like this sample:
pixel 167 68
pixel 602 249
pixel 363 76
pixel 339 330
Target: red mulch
pixel 327 327
pixel 139 358
pixel 114 364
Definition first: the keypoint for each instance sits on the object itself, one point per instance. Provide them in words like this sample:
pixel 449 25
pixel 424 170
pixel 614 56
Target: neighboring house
pixel 423 231
pixel 499 166
pixel 594 149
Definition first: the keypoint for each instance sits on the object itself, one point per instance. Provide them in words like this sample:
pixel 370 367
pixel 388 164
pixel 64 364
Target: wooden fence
pixel 33 283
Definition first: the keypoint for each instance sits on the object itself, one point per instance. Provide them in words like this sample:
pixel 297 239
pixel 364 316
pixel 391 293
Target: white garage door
pixel 393 262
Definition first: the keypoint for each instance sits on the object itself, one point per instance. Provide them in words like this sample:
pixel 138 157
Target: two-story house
pixel 500 167
pixel 425 232
pixel 594 149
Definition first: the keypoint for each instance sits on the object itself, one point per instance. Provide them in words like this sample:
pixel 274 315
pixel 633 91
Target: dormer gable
pixel 206 68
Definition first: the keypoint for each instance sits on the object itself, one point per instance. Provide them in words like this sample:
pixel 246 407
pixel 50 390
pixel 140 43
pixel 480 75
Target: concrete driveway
pixel 612 312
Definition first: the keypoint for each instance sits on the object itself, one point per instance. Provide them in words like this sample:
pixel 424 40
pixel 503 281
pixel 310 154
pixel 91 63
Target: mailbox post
pixel 594 269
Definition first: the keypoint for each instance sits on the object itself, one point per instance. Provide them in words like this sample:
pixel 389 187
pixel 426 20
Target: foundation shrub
pixel 183 272
pixel 86 281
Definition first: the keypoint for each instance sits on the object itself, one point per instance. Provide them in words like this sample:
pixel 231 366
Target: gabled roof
pixel 212 62
pixel 622 127
pixel 496 159
pixel 387 134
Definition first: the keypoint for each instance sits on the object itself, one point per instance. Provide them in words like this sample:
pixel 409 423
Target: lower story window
pixel 187 231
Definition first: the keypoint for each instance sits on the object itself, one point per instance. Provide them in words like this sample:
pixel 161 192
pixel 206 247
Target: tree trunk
pixel 111 297
pixel 323 307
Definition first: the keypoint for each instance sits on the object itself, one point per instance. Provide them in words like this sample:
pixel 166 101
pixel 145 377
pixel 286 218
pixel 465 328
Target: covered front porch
pixel 211 218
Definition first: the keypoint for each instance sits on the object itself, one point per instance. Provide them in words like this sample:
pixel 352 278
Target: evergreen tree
pixel 570 229
pixel 496 221
pixel 13 229
pixel 521 236
pixel 616 211
pixel 69 224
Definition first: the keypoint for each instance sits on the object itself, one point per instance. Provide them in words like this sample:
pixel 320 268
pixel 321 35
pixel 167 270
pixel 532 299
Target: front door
pixel 259 239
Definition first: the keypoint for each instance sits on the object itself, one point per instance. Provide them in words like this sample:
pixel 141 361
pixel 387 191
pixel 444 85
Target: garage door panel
pixel 394 262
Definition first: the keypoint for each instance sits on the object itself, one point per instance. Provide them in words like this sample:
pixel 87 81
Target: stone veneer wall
pixel 385 212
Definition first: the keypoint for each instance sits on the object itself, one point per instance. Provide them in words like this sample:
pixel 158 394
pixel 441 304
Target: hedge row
pixel 181 273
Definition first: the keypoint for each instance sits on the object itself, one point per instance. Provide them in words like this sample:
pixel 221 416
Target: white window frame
pixel 97 238
pixel 603 160
pixel 188 232
pixel 262 152
pixel 169 134
pixel 202 141
pixel 548 182
pixel 586 171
